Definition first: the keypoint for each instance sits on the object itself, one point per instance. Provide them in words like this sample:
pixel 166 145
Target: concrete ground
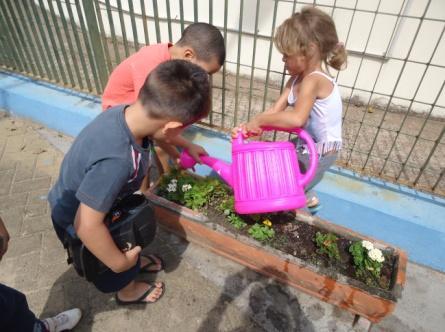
pixel 204 292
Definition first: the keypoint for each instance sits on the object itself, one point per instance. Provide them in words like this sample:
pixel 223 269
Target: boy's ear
pixel 189 53
pixel 171 128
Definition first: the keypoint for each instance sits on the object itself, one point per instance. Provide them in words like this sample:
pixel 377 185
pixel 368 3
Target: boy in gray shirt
pixel 108 160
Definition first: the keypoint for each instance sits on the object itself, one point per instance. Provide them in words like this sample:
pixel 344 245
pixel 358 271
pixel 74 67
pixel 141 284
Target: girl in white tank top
pixel 307 40
pixel 324 122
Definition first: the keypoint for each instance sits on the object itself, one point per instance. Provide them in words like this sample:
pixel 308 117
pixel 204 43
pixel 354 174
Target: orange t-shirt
pixel 129 76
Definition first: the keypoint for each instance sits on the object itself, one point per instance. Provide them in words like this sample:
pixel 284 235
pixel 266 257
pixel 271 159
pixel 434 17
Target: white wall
pixel 362 72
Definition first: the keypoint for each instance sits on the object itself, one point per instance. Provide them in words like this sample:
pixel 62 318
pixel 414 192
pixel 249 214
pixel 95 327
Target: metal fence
pixel 393 89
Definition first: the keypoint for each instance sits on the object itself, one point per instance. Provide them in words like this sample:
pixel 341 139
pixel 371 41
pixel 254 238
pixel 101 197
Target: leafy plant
pixel 195 193
pixel 198 195
pixel 261 232
pixel 174 185
pixel 368 261
pixel 327 244
pixel 227 205
pixel 220 192
pixel 236 221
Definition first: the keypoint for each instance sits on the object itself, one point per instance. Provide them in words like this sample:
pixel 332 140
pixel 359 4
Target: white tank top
pixel 324 123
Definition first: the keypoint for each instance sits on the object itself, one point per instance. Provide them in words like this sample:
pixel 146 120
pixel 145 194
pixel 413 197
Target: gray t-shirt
pixel 103 164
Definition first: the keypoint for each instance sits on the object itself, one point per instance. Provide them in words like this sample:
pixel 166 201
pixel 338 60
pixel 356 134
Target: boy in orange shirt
pixel 200 43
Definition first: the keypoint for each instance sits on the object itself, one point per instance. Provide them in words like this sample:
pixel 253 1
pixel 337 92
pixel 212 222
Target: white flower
pixel 171 187
pixel 381 259
pixel 376 255
pixel 368 245
pixel 186 187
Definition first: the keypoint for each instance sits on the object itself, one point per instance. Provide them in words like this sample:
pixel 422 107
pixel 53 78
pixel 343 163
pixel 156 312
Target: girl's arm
pixel 295 118
pixel 279 106
pixel 281 103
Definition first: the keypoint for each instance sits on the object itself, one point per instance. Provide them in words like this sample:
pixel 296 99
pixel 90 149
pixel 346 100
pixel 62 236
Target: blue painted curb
pixel 58 108
pixel 404 217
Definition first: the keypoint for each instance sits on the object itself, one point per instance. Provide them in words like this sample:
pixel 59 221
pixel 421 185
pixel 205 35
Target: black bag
pixel 131 223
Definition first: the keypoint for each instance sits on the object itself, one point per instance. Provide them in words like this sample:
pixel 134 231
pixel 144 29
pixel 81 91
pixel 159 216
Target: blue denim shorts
pixel 324 162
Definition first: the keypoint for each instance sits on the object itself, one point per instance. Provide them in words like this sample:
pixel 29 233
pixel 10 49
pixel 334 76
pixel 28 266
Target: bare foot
pixel 312 202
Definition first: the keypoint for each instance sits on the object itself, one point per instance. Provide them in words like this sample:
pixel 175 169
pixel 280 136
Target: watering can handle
pixel 313 155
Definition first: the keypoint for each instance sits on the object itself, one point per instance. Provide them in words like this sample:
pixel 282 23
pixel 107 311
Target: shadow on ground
pixel 268 303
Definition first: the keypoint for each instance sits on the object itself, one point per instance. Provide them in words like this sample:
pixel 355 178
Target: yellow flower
pixel 267 222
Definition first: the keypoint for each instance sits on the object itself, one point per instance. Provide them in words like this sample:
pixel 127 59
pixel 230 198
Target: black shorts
pixel 108 281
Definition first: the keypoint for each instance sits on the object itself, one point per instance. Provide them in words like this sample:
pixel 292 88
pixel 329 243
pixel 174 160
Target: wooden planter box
pixel 343 291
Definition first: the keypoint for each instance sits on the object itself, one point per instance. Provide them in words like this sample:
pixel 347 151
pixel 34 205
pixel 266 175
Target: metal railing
pixel 390 129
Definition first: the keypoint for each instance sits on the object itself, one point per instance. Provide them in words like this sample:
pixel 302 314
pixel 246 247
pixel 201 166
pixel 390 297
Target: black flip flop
pixel 152 262
pixel 141 299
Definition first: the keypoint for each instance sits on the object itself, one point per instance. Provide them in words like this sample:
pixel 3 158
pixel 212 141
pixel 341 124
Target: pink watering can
pixel 265 176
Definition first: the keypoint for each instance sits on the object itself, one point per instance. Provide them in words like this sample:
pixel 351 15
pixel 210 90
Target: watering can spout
pixel 221 167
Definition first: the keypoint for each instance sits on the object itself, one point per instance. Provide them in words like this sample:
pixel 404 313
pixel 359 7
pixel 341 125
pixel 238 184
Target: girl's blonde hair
pixel 311 25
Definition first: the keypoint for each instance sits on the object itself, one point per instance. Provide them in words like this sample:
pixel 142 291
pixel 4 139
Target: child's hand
pixel 195 151
pixel 253 128
pixel 248 129
pixel 131 259
pixel 240 129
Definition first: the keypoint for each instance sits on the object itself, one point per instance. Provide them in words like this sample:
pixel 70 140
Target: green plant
pixel 261 232
pixel 236 221
pixel 368 261
pixel 174 185
pixel 220 192
pixel 226 206
pixel 327 244
pixel 198 195
pixel 194 193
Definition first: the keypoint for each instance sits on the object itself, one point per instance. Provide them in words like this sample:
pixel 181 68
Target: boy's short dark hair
pixel 206 40
pixel 177 89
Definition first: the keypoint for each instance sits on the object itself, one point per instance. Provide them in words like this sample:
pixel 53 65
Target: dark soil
pixel 297 239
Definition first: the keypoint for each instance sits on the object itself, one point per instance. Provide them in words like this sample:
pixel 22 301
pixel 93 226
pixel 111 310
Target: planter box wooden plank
pixel 288 269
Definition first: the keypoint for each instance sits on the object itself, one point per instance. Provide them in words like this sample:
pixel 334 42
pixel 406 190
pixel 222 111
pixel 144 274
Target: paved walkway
pixel 204 292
